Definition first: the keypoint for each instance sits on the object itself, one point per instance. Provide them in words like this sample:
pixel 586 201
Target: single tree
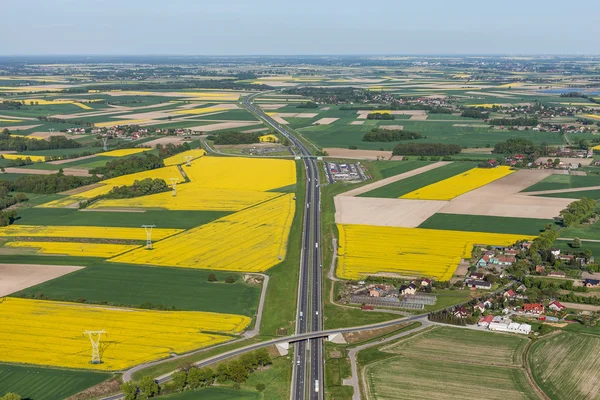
pixel 230 279
pixel 130 390
pixel 179 380
pixel 212 277
pixel 148 387
pixel 576 243
pixel 223 373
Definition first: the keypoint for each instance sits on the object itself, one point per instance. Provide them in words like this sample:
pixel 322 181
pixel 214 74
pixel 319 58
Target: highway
pixel 309 310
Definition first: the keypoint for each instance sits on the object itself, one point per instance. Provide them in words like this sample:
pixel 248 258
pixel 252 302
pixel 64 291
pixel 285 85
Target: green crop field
pixel 565 366
pixel 215 393
pixel 131 285
pixel 484 223
pixel 341 134
pixel 233 115
pixel 45 383
pixel 454 357
pixel 580 194
pixel 590 231
pixel 160 218
pixel 565 246
pixel 404 186
pixel 564 181
pixel 391 168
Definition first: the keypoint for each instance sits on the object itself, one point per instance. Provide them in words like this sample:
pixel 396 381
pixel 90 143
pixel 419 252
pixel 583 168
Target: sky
pixel 302 27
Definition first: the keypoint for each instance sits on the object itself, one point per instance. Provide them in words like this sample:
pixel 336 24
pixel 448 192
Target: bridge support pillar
pixel 283 348
pixel 337 338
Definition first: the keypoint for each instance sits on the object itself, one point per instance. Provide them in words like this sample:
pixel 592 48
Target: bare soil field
pixel 165 140
pixel 385 212
pixel 15 277
pixel 18 128
pixel 391 179
pixel 81 189
pixel 269 107
pixel 66 161
pixel 562 191
pixel 67 171
pixel 357 154
pixel 578 306
pixel 362 114
pixel 224 125
pixel 418 117
pixel 391 127
pixel 483 150
pixel 357 122
pixel 325 121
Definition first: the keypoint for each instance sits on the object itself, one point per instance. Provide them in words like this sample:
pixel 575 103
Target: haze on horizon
pixel 270 27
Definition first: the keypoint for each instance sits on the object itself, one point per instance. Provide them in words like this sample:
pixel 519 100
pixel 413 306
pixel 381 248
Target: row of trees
pixel 519 121
pixel 447 317
pixel 129 165
pixel 193 378
pixel 578 211
pixel 7 217
pixel 139 188
pixel 10 142
pixel 389 135
pixel 7 200
pixel 308 104
pixel 475 114
pixel 426 149
pixel 170 149
pixel 520 146
pixel 47 184
pixel 382 116
pixel 78 122
pixel 233 137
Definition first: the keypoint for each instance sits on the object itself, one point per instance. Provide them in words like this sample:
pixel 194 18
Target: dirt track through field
pixel 15 277
pixel 392 179
pixel 67 171
pixel 580 189
pixel 357 154
pixel 70 160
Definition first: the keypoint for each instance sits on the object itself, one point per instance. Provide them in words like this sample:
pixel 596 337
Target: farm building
pixel 476 284
pixel 557 274
pixel 485 321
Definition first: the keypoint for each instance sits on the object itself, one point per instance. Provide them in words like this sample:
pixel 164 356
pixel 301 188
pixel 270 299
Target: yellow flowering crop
pixel 75 249
pixel 204 110
pixel 450 188
pixel 81 105
pixel 42 102
pixel 251 240
pixel 52 333
pixel 484 105
pixel 123 152
pixel 593 116
pixel 380 112
pixel 268 138
pixel 366 250
pixel 178 159
pixel 240 173
pixel 119 122
pixel 13 156
pixel 105 186
pixel 87 232
pixel 10 120
pixel 192 197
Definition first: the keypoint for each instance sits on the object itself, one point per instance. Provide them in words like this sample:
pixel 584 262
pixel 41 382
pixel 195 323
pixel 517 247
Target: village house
pixel 509 294
pixel 426 282
pixel 556 306
pixel 406 290
pixel 505 260
pixel 591 283
pixel 540 269
pixel 555 252
pixel 461 312
pixel 479 307
pixel 485 321
pixel 477 275
pixel 488 303
pixel 533 308
pixel 522 288
pixel 557 274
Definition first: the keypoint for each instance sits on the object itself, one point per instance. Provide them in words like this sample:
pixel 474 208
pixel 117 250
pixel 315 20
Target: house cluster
pixel 476 281
pixel 571 153
pixel 76 131
pixel 387 290
pixel 503 324
pixel 499 258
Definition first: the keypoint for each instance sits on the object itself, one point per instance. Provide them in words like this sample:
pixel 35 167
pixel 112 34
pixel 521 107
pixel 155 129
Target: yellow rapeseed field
pixel 459 184
pixel 10 120
pixel 105 186
pixel 123 152
pixel 268 138
pixel 204 110
pixel 178 159
pixel 42 102
pixel 88 232
pixel 217 184
pixel 251 240
pixel 593 116
pixel 81 105
pixel 14 156
pixel 240 173
pixel 52 333
pixel 74 248
pixel 413 252
pixel 192 197
pixel 488 105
